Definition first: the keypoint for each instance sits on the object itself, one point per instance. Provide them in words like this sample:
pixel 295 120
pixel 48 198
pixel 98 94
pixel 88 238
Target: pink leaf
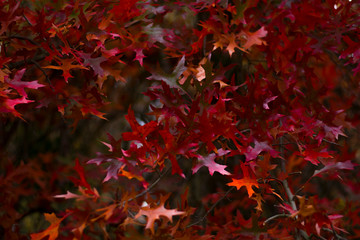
pixel 253 152
pixel 68 195
pixel 209 162
pixel 348 165
pixel 19 85
pixel 265 104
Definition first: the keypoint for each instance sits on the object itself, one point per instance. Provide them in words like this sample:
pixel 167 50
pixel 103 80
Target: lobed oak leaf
pixel 130 175
pixel 52 231
pixel 258 198
pixel 209 162
pixel 172 78
pixel 232 44
pixel 82 182
pixel 113 170
pixel 9 106
pixel 254 38
pixel 139 55
pixel 66 66
pixel 154 214
pixel 91 109
pixel 333 132
pixel 264 164
pixel 94 63
pixel 246 181
pixel 347 165
pixel 253 152
pixel 312 156
pixel 19 85
pixel 306 208
pixel 108 211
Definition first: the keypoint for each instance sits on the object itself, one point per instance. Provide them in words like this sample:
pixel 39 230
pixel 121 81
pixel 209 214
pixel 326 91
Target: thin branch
pixel 331 142
pixel 25 38
pixel 336 235
pixel 27 20
pixel 146 190
pixel 279 144
pixel 43 71
pixel 275 216
pixel 245 130
pixel 299 190
pixel 211 208
pixel 21 63
pixel 286 184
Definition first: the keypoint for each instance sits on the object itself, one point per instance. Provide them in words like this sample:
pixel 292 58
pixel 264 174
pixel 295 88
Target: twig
pixel 331 142
pixel 18 64
pixel 275 216
pixel 279 144
pixel 336 235
pixel 25 38
pixel 211 208
pixel 27 20
pixel 43 71
pixel 286 184
pixel 146 190
pixel 299 190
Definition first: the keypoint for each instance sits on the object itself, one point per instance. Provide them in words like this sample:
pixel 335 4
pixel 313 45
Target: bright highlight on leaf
pixel 156 213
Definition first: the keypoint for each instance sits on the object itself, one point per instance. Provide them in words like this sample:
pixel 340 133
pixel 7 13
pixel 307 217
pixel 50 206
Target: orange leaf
pixel 232 44
pixel 52 231
pixel 246 181
pixel 258 198
pixel 307 207
pixel 108 212
pixel 66 67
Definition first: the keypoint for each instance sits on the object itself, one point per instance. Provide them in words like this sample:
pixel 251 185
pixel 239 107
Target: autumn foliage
pixel 205 119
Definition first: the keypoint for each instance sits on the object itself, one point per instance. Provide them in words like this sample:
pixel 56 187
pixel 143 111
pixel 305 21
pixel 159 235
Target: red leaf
pixel 82 181
pixel 9 105
pixel 312 156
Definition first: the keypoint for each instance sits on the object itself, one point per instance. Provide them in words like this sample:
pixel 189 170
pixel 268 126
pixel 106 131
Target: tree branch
pixel 275 216
pixel 43 71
